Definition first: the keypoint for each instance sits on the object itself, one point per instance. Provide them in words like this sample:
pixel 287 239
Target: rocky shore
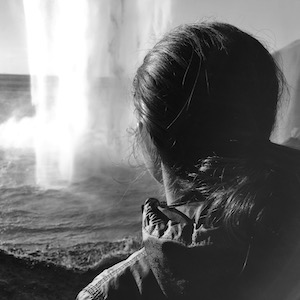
pixel 54 273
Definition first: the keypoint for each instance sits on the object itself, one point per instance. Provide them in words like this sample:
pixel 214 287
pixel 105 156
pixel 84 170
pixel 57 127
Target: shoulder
pixel 125 279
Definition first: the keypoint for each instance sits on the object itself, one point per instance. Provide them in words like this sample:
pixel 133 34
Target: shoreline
pixel 56 273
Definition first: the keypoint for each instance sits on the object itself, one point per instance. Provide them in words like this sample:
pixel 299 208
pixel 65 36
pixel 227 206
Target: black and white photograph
pixel 149 149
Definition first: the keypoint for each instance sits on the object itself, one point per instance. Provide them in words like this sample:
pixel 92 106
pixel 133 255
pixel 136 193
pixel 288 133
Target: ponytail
pixel 251 195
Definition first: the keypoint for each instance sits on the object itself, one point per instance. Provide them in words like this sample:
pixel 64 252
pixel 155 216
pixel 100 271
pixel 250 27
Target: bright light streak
pixel 56 34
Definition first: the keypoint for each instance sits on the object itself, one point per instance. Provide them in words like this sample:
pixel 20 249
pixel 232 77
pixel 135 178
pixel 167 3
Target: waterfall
pixel 82 55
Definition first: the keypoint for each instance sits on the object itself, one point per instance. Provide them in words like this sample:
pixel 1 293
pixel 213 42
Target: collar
pixel 183 252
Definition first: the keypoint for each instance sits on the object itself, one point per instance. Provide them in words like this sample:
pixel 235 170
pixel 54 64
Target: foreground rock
pixel 56 273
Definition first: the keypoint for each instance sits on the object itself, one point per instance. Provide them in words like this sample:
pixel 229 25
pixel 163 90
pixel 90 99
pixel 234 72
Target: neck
pixel 171 196
pixel 174 198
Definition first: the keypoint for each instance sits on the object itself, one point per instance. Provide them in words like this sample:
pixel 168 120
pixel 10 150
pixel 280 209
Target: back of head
pixel 207 95
pixel 202 86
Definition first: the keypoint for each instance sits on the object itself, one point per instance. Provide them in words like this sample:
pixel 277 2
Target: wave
pixel 79 257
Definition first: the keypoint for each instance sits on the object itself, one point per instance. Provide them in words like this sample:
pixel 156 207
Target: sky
pixel 275 22
pixel 13 48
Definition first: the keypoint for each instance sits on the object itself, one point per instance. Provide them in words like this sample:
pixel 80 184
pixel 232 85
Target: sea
pixel 103 208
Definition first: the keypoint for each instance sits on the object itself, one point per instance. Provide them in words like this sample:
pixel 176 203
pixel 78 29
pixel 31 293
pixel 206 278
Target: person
pixel 206 98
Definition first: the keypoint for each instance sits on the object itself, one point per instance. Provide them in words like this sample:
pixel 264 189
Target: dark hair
pixel 207 94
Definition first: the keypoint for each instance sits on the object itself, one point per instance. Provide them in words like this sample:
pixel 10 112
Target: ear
pixel 152 159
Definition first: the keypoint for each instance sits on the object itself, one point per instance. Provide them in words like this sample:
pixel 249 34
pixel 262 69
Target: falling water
pixel 57 55
pixel 82 54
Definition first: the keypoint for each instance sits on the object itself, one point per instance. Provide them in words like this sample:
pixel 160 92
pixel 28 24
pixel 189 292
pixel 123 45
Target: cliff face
pixel 288 120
